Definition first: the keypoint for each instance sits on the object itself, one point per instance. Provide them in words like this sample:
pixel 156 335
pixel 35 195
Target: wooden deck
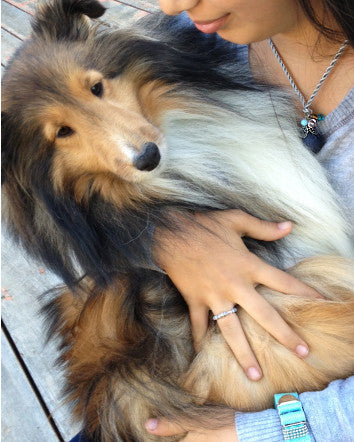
pixel 32 408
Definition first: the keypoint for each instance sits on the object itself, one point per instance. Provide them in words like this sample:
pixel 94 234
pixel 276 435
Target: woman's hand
pixel 213 269
pixel 163 427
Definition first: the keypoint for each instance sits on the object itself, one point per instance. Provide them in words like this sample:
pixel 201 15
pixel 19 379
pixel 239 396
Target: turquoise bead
pixel 303 122
pixel 320 117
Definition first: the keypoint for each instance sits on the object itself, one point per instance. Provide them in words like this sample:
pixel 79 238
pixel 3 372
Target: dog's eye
pixel 64 131
pixel 97 89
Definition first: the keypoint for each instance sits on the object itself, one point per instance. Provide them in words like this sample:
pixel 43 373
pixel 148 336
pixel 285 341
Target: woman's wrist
pixel 158 248
pixel 169 244
pixel 262 426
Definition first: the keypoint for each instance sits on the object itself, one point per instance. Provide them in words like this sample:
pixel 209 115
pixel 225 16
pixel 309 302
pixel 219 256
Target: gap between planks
pixel 31 381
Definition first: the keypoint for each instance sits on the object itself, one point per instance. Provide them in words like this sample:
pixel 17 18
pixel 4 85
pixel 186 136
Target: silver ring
pixel 228 312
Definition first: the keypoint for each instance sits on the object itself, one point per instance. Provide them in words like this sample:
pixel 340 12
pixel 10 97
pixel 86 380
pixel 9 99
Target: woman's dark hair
pixel 343 13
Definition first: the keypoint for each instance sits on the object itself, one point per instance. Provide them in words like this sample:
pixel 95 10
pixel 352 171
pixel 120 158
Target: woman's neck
pixel 306 54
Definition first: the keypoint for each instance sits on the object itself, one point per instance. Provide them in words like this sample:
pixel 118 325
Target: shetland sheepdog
pixel 108 134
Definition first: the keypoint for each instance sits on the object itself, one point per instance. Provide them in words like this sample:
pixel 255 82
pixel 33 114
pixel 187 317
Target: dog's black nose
pixel 149 157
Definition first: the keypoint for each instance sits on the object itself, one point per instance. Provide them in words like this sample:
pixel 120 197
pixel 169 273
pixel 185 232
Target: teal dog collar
pixel 292 417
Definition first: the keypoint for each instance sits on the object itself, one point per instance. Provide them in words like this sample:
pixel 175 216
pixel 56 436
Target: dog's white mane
pixel 245 151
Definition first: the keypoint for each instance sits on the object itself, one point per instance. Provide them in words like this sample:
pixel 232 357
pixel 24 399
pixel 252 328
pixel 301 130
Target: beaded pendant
pixel 309 134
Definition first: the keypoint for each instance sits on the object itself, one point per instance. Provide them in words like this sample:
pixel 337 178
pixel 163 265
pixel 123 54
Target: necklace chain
pixel 306 104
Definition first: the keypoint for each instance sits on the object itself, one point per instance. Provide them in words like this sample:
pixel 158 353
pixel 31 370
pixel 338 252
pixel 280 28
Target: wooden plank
pixel 146 5
pixel 22 417
pixel 120 15
pixel 29 6
pixel 14 20
pixel 9 44
pixel 23 280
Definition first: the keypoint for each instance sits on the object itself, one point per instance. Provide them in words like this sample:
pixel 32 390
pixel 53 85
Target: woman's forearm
pixel 329 413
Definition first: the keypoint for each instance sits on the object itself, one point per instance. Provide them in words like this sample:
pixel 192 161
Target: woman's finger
pixel 199 316
pixel 164 427
pixel 232 331
pixel 266 316
pixel 283 282
pixel 248 225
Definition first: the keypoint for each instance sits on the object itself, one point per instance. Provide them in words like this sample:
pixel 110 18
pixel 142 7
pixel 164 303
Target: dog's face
pixel 101 128
pixel 92 123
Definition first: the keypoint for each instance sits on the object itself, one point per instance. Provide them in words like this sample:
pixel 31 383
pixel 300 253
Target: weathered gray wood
pixel 29 6
pixel 22 418
pixel 23 280
pixel 146 5
pixel 120 15
pixel 15 20
pixel 9 44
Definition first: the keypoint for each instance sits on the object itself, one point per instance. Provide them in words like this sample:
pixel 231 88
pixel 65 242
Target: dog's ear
pixel 66 19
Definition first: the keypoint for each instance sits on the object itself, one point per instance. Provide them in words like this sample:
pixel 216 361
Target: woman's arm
pixel 329 414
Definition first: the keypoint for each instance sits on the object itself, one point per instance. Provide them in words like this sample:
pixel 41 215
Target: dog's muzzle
pixel 149 158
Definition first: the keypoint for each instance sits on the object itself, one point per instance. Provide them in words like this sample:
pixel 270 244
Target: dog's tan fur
pixel 96 333
pixel 320 323
pixel 124 107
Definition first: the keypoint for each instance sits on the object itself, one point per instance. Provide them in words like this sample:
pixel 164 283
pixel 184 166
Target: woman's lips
pixel 211 26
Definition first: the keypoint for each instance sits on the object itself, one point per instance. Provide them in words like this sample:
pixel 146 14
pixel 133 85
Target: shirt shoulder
pixel 337 154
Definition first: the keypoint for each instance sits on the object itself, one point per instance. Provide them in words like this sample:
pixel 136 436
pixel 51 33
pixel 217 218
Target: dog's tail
pixel 65 19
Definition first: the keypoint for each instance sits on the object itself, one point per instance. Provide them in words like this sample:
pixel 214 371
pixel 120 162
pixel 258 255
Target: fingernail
pixel 254 374
pixel 302 350
pixel 151 424
pixel 285 225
